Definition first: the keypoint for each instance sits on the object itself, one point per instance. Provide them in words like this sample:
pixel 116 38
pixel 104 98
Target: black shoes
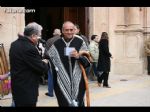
pixel 106 86
pixel 47 94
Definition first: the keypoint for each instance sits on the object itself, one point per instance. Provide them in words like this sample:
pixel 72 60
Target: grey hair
pixel 57 32
pixel 32 28
pixel 66 22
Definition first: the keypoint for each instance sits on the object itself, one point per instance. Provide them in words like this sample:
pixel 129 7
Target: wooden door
pixel 78 15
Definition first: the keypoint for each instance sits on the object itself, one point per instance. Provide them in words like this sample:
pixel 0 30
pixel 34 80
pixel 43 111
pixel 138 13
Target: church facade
pixel 128 28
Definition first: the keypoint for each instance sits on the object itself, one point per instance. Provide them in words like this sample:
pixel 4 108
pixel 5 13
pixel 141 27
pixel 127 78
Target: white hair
pixel 57 32
pixel 32 28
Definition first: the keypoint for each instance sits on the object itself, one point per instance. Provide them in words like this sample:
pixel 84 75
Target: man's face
pixel 68 30
pixel 76 30
pixel 97 38
pixel 35 38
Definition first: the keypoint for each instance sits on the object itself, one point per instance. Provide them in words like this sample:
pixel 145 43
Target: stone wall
pixel 126 38
pixel 10 24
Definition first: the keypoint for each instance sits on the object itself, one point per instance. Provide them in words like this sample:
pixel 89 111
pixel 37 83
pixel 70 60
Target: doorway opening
pixel 53 17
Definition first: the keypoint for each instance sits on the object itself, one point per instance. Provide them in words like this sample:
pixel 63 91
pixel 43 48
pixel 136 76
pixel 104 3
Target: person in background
pixel 78 33
pixel 26 66
pixel 69 84
pixel 85 39
pixel 49 43
pixel 104 63
pixel 94 50
pixel 147 51
pixel 41 47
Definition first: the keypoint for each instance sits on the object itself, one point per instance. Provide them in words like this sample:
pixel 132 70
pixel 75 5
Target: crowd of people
pixel 60 57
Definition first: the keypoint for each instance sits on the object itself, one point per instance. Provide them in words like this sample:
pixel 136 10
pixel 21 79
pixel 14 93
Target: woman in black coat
pixel 26 67
pixel 103 67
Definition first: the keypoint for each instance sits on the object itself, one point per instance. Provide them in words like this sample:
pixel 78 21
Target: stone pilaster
pixel 129 46
pixel 134 17
pixel 98 20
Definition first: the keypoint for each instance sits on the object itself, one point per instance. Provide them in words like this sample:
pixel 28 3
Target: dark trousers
pixel 104 78
pixel 148 64
pixel 94 67
pixel 25 105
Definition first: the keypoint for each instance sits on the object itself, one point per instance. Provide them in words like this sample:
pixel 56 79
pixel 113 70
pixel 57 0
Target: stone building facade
pixel 11 23
pixel 128 27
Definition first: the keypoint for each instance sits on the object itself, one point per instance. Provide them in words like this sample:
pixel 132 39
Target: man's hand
pixel 45 60
pixel 74 54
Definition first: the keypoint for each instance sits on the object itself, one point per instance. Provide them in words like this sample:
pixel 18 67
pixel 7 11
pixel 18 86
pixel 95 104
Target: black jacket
pixel 104 56
pixel 26 67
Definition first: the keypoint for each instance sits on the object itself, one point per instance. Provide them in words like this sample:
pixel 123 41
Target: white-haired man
pixel 26 66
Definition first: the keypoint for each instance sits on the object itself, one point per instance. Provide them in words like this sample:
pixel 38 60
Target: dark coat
pixel 26 67
pixel 104 56
pixel 67 75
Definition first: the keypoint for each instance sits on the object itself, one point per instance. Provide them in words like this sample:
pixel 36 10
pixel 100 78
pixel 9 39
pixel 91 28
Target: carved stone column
pixel 129 41
pixel 98 20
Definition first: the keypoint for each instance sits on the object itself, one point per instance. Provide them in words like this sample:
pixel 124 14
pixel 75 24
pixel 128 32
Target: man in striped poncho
pixel 69 85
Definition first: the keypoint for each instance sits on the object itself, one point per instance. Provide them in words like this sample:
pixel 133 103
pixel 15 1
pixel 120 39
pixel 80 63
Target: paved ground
pixel 126 90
